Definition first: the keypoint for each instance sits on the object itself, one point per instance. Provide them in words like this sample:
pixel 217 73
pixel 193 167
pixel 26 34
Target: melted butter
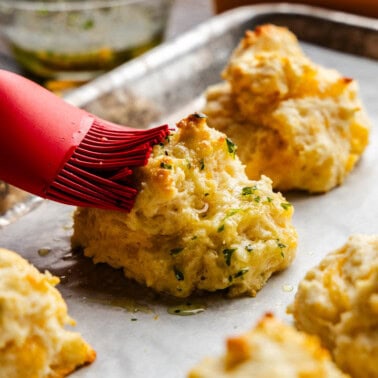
pixel 128 304
pixel 186 309
pixel 287 288
pixel 44 251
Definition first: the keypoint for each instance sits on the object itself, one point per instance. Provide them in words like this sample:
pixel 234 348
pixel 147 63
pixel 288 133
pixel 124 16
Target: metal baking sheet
pixel 131 327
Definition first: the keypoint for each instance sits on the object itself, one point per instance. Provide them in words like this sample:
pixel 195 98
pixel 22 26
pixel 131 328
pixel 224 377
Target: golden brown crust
pixel 300 124
pixel 198 222
pixel 270 350
pixel 33 341
pixel 338 301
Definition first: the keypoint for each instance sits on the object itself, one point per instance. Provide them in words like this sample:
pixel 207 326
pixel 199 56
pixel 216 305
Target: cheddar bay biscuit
pixel 198 222
pixel 338 301
pixel 33 340
pixel 296 122
pixel 270 350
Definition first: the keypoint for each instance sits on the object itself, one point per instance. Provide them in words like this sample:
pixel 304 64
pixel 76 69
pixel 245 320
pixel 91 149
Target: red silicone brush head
pixel 57 151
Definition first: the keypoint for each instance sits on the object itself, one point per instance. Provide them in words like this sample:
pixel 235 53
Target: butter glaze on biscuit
pixel 198 222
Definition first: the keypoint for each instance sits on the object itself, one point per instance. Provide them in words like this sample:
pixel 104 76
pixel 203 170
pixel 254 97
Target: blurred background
pixel 64 43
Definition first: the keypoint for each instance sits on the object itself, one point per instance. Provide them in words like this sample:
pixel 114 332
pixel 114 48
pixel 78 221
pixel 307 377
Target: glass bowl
pixel 66 43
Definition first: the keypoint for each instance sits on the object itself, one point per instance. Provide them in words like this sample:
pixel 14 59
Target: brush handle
pixel 38 133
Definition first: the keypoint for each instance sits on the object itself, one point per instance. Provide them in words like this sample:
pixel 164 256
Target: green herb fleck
pixel 281 245
pixel 282 255
pixel 220 228
pixel 241 272
pixel 165 165
pixel 175 251
pixel 257 199
pixel 202 164
pixel 227 253
pixel 249 248
pixel 231 212
pixel 194 237
pixel 88 24
pixel 248 190
pixel 285 205
pixel 269 199
pixel 231 147
pixel 206 194
pixel 133 319
pixel 178 274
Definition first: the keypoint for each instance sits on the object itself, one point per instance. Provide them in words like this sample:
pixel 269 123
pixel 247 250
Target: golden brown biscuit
pixel 300 124
pixel 338 301
pixel 198 222
pixel 270 350
pixel 33 341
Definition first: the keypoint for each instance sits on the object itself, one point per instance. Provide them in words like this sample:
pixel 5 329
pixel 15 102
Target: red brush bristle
pixel 98 172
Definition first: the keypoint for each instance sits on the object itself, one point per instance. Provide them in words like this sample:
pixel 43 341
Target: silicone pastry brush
pixel 57 151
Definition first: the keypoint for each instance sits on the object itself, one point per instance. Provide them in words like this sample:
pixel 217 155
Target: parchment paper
pixel 129 326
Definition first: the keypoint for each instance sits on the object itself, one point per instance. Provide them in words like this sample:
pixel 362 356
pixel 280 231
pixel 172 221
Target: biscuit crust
pixel 33 314
pixel 198 224
pixel 294 121
pixel 338 301
pixel 271 350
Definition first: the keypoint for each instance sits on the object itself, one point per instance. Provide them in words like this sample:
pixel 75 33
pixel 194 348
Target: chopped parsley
pixel 285 205
pixel 281 245
pixel 248 190
pixel 178 274
pixel 241 272
pixel 231 147
pixel 269 199
pixel 175 251
pixel 238 274
pixel 202 165
pixel 227 253
pixel 194 237
pixel 88 24
pixel 165 165
pixel 248 248
pixel 231 212
pixel 257 199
